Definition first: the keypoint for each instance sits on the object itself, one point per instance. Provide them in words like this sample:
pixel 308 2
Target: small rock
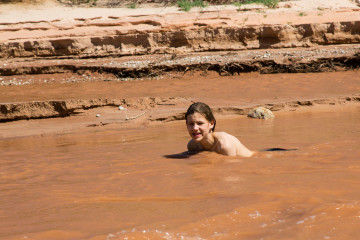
pixel 261 113
pixel 97 115
pixel 267 55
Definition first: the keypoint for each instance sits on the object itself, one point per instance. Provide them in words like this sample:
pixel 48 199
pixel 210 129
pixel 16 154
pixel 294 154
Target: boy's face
pixel 198 127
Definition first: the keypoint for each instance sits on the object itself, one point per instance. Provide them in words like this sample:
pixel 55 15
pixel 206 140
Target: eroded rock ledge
pixel 48 109
pixel 200 36
pixel 51 109
pixel 294 60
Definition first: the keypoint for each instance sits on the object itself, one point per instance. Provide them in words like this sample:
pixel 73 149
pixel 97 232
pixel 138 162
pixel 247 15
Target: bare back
pixel 227 144
pixel 224 144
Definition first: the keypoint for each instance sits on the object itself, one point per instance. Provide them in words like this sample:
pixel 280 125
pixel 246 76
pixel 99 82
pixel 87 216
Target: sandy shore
pixel 76 66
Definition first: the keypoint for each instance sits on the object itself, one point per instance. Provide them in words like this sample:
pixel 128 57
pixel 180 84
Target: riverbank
pixel 85 62
pixel 88 105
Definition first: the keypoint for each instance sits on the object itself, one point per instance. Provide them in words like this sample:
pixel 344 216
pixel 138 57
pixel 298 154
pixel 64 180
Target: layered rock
pixel 185 40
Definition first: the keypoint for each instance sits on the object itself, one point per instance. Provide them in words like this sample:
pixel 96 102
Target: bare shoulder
pixel 230 145
pixel 225 140
pixel 225 137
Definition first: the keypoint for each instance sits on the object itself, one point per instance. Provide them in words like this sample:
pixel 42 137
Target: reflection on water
pixel 117 184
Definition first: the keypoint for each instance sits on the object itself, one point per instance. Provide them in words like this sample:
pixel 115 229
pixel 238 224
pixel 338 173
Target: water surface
pixel 118 184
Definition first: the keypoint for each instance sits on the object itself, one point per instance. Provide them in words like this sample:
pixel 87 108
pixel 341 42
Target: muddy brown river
pixel 74 167
pixel 130 184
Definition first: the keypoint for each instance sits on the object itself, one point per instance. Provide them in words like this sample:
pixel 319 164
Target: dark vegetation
pixel 185 5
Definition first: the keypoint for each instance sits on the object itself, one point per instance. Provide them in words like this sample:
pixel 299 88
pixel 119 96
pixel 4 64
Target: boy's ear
pixel 212 123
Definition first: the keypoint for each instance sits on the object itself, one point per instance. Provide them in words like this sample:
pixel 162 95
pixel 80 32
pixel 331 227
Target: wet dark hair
pixel 203 109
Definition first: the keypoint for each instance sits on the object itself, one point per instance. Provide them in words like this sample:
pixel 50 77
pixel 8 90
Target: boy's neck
pixel 209 142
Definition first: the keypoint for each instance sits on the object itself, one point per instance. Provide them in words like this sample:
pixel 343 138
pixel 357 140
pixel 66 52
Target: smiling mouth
pixel 196 135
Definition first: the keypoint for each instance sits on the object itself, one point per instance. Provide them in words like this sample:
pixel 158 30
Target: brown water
pixel 117 184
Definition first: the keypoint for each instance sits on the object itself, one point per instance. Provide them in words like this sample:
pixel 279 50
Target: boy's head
pixel 204 110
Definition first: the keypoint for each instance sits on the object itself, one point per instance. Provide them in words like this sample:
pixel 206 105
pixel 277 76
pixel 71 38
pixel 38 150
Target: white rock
pixel 261 113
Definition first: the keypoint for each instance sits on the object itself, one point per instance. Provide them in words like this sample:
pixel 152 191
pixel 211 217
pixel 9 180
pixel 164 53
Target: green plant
pixel 199 3
pixel 186 5
pixel 267 3
pixel 78 2
pixel 271 3
pixel 238 4
pixel 301 14
pixel 132 5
